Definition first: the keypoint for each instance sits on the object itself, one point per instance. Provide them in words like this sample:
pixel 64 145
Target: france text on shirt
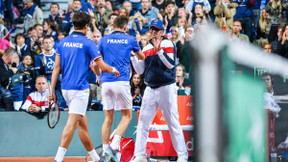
pixel 118 41
pixel 72 44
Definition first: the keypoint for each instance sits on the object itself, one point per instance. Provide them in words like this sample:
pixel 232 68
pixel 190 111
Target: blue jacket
pixel 157 74
pixel 244 9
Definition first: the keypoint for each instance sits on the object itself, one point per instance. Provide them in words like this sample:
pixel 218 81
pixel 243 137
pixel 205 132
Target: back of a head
pixel 9 50
pixel 80 19
pixel 120 22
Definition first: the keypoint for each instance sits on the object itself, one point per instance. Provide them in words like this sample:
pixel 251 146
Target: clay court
pixel 40 159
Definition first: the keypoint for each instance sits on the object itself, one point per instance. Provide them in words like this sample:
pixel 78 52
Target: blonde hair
pixel 262 22
pixel 145 36
pixel 185 21
pixel 178 32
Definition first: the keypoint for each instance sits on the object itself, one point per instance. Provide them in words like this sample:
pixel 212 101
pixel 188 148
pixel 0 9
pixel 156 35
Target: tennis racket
pixel 53 111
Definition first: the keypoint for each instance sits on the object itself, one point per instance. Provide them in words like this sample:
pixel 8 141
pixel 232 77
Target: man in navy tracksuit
pixel 161 91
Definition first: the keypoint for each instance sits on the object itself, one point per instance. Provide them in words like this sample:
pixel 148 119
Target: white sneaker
pixel 181 159
pixel 139 158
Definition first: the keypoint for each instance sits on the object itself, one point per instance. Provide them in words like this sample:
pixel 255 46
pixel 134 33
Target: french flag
pixel 10 32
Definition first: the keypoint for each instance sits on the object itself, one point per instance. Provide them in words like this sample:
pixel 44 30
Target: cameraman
pixel 6 100
pixel 6 70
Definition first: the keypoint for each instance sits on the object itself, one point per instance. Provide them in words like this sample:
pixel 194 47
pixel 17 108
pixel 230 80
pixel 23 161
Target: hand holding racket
pixel 53 111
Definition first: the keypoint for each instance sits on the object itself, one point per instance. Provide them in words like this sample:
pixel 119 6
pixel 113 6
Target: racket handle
pixel 49 89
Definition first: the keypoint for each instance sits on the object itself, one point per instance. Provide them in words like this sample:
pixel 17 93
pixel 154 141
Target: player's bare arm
pixel 105 67
pixel 55 73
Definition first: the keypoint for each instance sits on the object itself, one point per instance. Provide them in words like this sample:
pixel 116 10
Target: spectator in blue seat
pixel 21 47
pixel 90 4
pixel 192 3
pixel 29 78
pixel 49 28
pixel 146 12
pixel 67 22
pixel 139 26
pixel 55 15
pixel 60 35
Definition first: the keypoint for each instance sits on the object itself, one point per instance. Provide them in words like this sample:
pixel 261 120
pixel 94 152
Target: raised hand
pixel 157 43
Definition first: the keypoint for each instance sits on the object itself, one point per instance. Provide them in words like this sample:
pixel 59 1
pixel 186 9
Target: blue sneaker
pixel 109 155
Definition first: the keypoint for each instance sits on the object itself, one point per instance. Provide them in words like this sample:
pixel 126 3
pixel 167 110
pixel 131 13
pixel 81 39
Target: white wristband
pixel 98 77
pixel 113 70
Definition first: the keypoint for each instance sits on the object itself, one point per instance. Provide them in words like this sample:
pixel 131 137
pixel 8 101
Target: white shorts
pixel 116 95
pixel 77 100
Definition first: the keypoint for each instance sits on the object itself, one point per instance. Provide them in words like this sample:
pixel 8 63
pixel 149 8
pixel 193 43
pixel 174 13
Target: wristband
pixel 113 70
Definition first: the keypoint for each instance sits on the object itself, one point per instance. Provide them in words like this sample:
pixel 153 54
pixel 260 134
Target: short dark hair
pixel 26 56
pixel 113 14
pixel 19 35
pixel 62 32
pixel 47 37
pixel 80 19
pixel 266 74
pixel 40 76
pixel 51 23
pixel 169 2
pixel 54 3
pixel 30 29
pixel 120 22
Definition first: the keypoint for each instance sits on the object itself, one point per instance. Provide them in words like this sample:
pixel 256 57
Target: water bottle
pixel 273 154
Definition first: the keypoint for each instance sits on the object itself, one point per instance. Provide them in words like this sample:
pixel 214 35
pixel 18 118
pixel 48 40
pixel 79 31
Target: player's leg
pixel 123 103
pixel 106 127
pixel 168 105
pixel 86 140
pixel 67 135
pixel 109 103
pixel 75 100
pixel 147 113
pixel 121 128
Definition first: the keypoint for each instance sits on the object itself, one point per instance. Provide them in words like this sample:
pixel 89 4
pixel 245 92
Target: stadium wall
pixel 22 134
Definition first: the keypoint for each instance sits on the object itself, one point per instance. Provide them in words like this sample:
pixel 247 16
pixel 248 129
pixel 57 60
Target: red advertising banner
pixel 270 132
pixel 159 141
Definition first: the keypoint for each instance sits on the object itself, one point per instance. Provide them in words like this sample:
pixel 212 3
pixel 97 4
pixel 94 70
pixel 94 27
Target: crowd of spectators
pixel 31 52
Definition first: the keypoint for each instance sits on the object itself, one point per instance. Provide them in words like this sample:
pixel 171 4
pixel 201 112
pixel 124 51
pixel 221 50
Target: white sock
pixel 115 142
pixel 104 146
pixel 60 154
pixel 94 155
